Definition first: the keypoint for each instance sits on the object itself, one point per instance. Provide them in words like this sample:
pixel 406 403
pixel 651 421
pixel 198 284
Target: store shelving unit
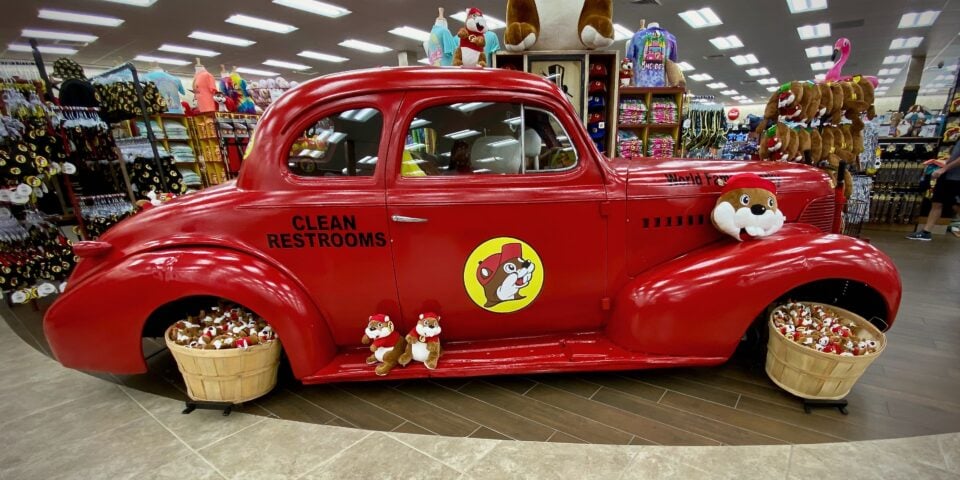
pixel 220 140
pixel 647 96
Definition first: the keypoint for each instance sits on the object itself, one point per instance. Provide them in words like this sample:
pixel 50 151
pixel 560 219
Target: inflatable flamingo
pixel 842 48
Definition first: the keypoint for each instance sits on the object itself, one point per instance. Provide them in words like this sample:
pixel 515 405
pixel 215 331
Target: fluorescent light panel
pixel 621 33
pixel 884 81
pixel 22 47
pixel 254 71
pixel 889 71
pixel 816 66
pixel 262 24
pixel 322 56
pixel 822 51
pixel 801 6
pixel 748 59
pixel 917 20
pixel 820 76
pixel 757 72
pixel 902 43
pixel 768 81
pixel 730 92
pixel 717 85
pixel 726 43
pixel 64 16
pixel 701 77
pixel 164 60
pixel 685 67
pixel 200 52
pixel 287 65
pixel 313 6
pixel 364 46
pixel 895 59
pixel 702 18
pixel 493 23
pixel 215 37
pixel 411 33
pixel 819 30
pixel 135 3
pixel 55 35
pixel 773 89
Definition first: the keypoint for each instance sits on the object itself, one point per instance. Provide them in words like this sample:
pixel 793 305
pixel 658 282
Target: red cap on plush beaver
pixel 474 11
pixel 379 318
pixel 748 180
pixel 508 251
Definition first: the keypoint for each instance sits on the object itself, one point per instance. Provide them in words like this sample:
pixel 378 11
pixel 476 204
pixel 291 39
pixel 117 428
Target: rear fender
pixel 700 304
pixel 85 334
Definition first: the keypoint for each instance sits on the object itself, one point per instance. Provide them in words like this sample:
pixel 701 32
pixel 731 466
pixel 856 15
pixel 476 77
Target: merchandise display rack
pixel 219 142
pixel 648 95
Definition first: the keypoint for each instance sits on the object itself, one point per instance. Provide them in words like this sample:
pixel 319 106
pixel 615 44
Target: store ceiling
pixel 765 27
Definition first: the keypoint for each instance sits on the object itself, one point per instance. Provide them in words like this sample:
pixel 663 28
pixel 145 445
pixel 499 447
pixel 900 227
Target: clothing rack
pixel 143 110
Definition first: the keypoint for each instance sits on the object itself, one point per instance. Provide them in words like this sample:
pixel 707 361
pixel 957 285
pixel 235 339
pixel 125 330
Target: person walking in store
pixel 945 193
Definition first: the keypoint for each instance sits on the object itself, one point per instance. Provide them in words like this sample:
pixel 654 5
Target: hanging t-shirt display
pixel 170 89
pixel 649 50
pixel 441 45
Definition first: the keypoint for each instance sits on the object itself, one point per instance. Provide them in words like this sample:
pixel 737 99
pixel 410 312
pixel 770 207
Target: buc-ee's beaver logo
pixel 503 275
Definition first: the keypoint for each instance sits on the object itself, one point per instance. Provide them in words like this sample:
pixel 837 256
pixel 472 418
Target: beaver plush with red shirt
pixel 386 345
pixel 471 53
pixel 423 342
pixel 747 208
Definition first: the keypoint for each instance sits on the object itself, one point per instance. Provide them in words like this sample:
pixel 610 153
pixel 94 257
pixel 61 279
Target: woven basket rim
pixel 225 352
pixel 846 314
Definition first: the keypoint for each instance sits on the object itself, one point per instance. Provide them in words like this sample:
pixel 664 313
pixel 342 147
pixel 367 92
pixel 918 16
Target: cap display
pixel 598 70
pixel 597 130
pixel 596 101
pixel 597 86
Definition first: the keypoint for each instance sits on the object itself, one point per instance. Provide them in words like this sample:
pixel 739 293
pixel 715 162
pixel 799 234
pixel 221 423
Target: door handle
pixel 404 219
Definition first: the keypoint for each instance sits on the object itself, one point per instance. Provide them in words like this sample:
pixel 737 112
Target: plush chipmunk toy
pixel 558 25
pixel 775 143
pixel 747 208
pixel 472 41
pixel 423 342
pixel 386 345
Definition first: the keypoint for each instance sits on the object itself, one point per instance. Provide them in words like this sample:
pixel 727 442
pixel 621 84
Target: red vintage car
pixel 476 194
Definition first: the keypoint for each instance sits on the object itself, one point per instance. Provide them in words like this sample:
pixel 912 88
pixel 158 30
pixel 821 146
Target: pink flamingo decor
pixel 842 48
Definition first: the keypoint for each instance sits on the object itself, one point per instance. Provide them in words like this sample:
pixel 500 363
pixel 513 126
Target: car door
pixel 496 216
pixel 328 226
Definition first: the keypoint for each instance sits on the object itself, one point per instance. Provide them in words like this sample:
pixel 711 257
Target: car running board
pixel 546 354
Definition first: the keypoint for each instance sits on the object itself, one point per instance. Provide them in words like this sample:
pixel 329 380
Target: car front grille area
pixel 819 213
pixel 675 221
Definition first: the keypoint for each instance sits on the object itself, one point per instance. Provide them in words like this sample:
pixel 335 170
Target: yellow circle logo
pixel 503 275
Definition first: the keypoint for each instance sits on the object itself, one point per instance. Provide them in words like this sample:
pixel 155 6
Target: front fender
pixel 700 304
pixel 87 334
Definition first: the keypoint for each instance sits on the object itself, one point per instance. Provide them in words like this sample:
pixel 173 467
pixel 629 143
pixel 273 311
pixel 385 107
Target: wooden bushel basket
pixel 810 374
pixel 230 375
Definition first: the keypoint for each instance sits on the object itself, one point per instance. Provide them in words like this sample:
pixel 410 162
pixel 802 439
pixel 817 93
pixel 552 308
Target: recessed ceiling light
pixel 889 71
pixel 884 81
pixel 730 92
pixel 200 52
pixel 819 30
pixel 726 43
pixel 820 76
pixel 288 65
pixel 717 85
pixel 815 66
pixel 748 59
pixel 213 37
pixel 901 43
pixel 800 6
pixel 824 51
pixel 322 56
pixel 756 72
pixel 773 89
pixel 685 67
pixel 768 81
pixel 493 23
pixel 52 35
pixel 895 59
pixel 254 71
pixel 705 17
pixel 22 47
pixel 621 33
pixel 364 46
pixel 916 20
pixel 165 60
pixel 135 3
pixel 62 16
pixel 412 33
pixel 262 24
pixel 313 6
pixel 701 77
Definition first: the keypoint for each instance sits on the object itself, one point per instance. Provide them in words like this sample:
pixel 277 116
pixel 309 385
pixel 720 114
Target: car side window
pixel 486 138
pixel 345 144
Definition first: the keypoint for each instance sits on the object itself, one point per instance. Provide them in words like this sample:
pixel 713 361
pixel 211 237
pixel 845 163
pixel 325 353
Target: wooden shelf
pixel 663 125
pixel 651 90
pixel 908 139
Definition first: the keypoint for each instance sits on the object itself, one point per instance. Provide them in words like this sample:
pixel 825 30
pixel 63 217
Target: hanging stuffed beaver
pixel 558 24
pixel 747 207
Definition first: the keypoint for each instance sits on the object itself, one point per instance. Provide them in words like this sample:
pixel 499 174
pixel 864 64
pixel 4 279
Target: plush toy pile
pixel 822 329
pixel 223 328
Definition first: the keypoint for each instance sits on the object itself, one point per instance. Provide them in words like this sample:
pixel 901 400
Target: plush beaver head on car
pixel 504 274
pixel 747 206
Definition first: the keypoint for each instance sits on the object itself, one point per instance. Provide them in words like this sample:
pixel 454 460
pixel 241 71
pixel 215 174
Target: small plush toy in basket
pixel 229 356
pixel 818 351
